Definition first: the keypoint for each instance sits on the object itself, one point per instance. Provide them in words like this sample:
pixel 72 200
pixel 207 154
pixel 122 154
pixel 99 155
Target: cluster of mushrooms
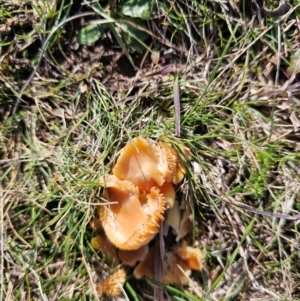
pixel 137 198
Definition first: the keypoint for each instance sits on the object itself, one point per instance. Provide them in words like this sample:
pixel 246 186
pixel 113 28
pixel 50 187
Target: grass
pixel 239 117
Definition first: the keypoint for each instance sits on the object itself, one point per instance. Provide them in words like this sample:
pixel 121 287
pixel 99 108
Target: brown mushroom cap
pixel 134 219
pixel 146 164
pixel 137 164
pixel 133 256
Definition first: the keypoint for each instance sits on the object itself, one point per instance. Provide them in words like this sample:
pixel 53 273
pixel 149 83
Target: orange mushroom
pixel 192 256
pixel 112 286
pixel 146 164
pixel 137 195
pixel 132 221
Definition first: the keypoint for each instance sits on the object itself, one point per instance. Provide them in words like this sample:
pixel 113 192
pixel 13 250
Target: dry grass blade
pixel 176 97
pixel 43 50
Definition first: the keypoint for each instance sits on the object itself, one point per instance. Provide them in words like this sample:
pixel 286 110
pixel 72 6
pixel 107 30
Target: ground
pixel 62 129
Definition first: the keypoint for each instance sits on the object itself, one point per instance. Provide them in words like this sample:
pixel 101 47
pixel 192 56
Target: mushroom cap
pixel 137 164
pixel 135 218
pixel 113 284
pixel 192 256
pixel 146 164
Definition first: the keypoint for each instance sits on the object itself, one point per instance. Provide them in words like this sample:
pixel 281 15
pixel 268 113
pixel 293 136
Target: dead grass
pixel 240 118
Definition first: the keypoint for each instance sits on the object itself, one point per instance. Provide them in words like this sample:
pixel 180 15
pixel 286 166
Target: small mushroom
pixel 192 256
pixel 112 286
pixel 134 219
pixel 146 164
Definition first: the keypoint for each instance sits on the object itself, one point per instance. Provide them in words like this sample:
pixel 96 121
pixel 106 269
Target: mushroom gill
pixel 137 164
pixel 130 222
pixel 167 160
pixel 132 257
pixel 175 165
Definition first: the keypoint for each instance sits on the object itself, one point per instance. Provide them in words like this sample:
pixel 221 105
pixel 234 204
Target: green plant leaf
pixel 132 34
pixel 89 34
pixel 137 9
